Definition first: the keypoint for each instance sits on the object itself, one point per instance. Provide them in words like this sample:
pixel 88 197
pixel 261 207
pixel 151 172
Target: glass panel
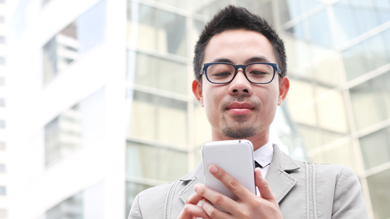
pixel 2 168
pixel 2 40
pixel 300 102
pixel 329 71
pixel 355 61
pixel 2 102
pixel 75 39
pixel 320 34
pixel 154 29
pixel 290 9
pixel 331 112
pixel 175 3
pixel 158 73
pixel 2 146
pixel 153 162
pixel 132 189
pixel 343 154
pixel 2 124
pixel 202 128
pixel 158 118
pixel 356 17
pixel 311 136
pixel 3 191
pixel 380 193
pixel 375 148
pixel 368 102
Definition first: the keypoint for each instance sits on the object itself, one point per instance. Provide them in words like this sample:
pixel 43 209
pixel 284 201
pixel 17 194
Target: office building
pixel 102 106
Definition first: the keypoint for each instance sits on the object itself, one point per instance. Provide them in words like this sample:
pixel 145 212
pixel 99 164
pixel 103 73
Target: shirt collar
pixel 264 154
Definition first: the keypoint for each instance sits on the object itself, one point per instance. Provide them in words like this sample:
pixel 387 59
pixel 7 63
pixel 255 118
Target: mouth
pixel 240 108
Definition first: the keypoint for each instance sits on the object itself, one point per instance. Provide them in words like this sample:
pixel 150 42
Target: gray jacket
pixel 303 190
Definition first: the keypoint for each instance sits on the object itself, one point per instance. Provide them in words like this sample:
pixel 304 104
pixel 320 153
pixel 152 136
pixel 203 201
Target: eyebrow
pixel 250 60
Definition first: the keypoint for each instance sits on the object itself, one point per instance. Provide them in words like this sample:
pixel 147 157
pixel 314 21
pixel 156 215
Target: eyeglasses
pixel 223 73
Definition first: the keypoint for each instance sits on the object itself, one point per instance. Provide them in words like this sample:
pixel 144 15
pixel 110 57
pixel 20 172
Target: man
pixel 240 69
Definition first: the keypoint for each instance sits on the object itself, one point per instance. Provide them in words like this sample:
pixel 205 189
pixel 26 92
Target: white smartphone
pixel 236 158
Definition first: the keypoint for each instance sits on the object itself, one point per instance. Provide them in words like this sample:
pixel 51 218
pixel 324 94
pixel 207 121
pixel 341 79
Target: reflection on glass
pixel 80 125
pixel 375 148
pixel 320 34
pixel 356 17
pixel 154 29
pixel 289 9
pixel 132 189
pixel 159 73
pixel 367 55
pixel 378 185
pixel 158 118
pixel 209 7
pixel 75 39
pixel 368 101
pixel 152 162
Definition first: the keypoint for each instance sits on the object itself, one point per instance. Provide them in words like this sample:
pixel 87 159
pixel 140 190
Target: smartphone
pixel 236 158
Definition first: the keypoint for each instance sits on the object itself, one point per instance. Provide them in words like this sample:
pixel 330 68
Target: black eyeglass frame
pixel 243 67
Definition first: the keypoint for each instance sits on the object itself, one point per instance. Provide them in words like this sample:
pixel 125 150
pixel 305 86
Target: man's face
pixel 240 109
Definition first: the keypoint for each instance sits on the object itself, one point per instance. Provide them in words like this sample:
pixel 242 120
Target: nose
pixel 240 85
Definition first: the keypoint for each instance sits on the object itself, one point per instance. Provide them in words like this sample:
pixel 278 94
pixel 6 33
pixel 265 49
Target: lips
pixel 240 108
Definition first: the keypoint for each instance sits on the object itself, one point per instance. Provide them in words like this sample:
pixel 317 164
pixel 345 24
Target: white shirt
pixel 263 156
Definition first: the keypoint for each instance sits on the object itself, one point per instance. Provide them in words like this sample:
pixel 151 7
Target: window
pixel 158 118
pixel 153 162
pixel 2 60
pixel 2 81
pixel 3 191
pixel 2 124
pixel 77 126
pixel 74 40
pixel 159 73
pixel 378 185
pixel 375 148
pixel 2 168
pixel 2 40
pixel 2 102
pixel 2 146
pixel 3 212
pixel 2 19
pixel 154 29
pixel 85 204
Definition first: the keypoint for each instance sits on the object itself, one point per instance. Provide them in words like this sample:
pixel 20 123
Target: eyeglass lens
pixel 257 73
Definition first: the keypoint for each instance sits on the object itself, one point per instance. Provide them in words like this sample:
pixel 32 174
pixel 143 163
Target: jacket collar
pixel 277 176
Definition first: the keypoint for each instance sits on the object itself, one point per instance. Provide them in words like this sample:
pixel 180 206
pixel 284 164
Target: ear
pixel 284 87
pixel 198 92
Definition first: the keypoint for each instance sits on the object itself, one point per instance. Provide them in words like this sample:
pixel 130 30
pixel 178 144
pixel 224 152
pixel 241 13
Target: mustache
pixel 239 99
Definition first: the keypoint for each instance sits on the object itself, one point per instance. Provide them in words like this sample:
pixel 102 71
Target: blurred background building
pixel 100 106
pixel 3 116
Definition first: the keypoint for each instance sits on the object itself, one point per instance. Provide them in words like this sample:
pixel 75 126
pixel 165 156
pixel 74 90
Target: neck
pixel 258 140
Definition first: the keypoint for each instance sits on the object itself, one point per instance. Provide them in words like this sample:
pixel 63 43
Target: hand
pixel 248 204
pixel 191 210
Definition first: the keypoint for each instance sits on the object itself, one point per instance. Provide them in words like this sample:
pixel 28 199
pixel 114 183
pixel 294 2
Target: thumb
pixel 263 186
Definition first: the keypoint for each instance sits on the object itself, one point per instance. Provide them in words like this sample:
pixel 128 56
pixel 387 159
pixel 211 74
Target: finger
pixel 194 199
pixel 263 186
pixel 230 182
pixel 217 198
pixel 190 211
pixel 213 212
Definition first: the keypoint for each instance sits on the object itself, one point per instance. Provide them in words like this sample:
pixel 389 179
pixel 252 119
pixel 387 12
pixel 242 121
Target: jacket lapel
pixel 278 179
pixel 194 177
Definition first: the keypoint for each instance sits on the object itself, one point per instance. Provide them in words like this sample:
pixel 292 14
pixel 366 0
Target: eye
pixel 222 74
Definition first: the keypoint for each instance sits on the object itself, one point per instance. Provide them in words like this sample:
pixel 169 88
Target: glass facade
pixel 337 111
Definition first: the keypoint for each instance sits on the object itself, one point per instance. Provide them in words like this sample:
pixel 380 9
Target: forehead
pixel 238 46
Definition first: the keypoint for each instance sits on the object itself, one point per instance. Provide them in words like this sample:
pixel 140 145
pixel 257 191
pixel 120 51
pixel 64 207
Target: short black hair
pixel 232 18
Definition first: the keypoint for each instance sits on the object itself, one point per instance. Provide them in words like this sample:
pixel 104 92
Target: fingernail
pixel 213 169
pixel 196 187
